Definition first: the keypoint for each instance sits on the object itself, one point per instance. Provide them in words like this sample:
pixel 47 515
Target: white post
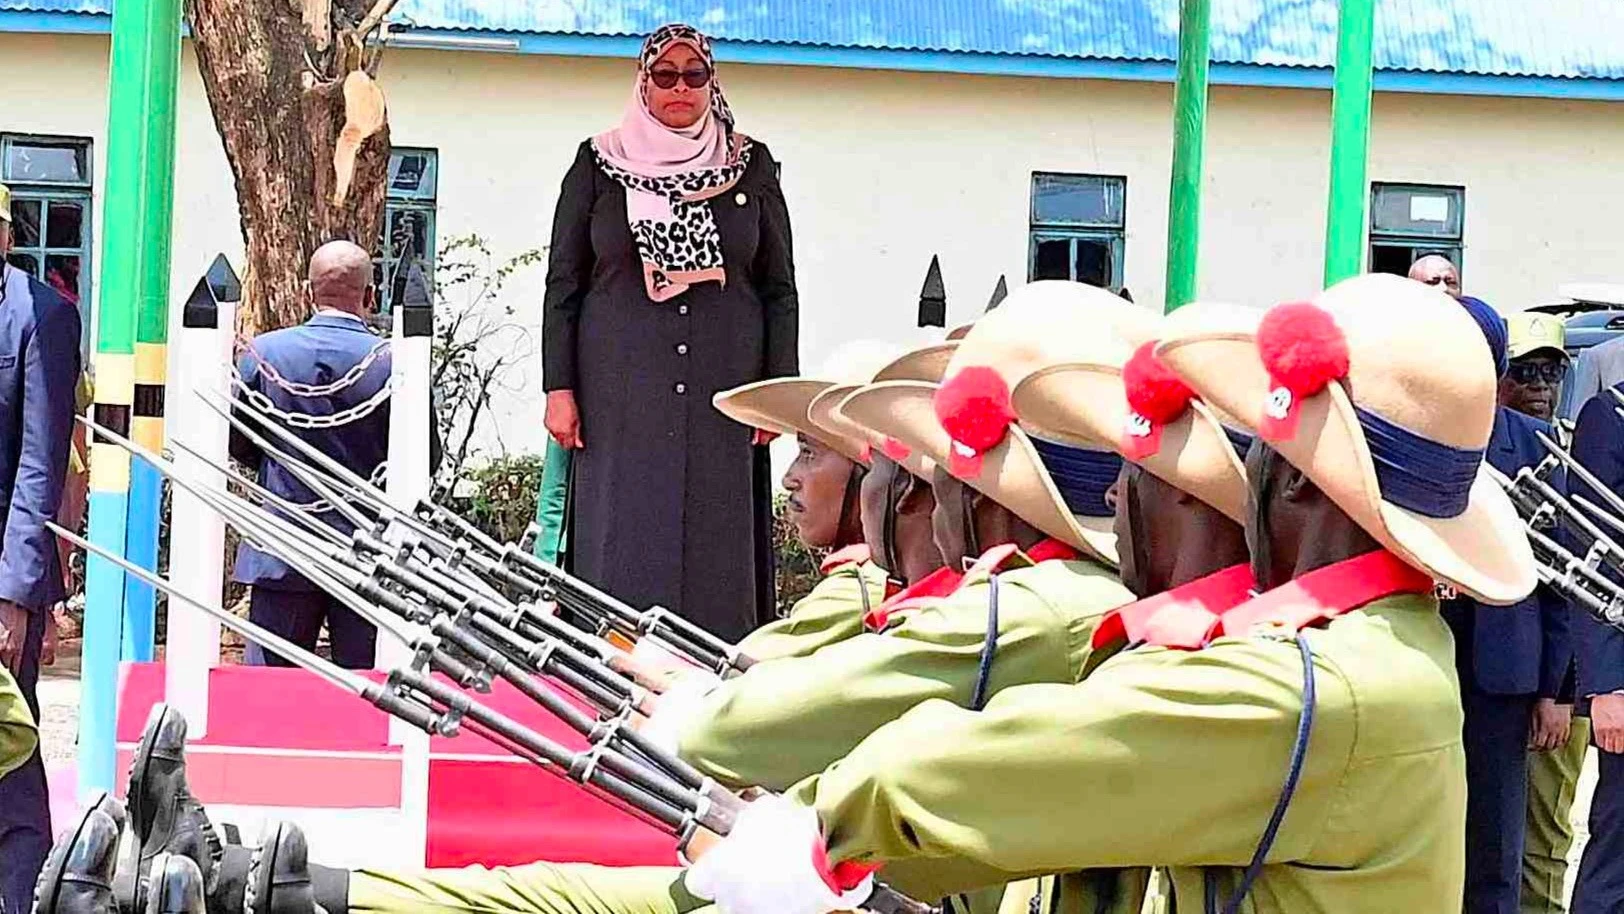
pixel 200 360
pixel 407 482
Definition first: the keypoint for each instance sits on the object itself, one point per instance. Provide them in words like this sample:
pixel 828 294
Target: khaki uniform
pixel 783 721
pixel 1177 758
pixel 19 735
pixel 832 612
pixel 1553 781
pixel 538 888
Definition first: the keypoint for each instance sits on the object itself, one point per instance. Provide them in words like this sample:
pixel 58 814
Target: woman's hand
pixel 563 420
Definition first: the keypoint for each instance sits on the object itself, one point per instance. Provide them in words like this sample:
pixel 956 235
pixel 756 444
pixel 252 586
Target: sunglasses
pixel 666 77
pixel 1529 372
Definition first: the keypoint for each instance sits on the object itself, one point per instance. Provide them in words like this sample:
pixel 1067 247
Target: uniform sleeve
pixel 1556 641
pixel 569 272
pixel 1172 758
pixel 787 719
pixel 50 366
pixel 774 275
pixel 18 734
pixel 831 613
pixel 1585 383
pixel 1598 443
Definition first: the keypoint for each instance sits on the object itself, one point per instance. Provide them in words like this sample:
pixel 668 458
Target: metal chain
pixel 297 389
pixel 306 420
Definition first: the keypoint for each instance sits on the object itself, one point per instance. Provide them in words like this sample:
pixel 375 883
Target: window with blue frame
pixel 1078 228
pixel 1410 221
pixel 50 186
pixel 408 228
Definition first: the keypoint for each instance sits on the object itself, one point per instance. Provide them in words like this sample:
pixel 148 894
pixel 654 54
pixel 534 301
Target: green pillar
pixel 135 249
pixel 1189 140
pixel 555 476
pixel 1350 141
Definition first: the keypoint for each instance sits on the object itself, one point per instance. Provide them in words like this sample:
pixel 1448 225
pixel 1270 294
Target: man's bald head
pixel 1437 270
pixel 341 277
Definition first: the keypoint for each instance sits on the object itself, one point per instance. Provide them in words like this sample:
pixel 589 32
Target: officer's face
pixel 880 487
pixel 816 482
pixel 1531 384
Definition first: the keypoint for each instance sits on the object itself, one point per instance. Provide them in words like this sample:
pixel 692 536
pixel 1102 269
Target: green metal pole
pixel 160 81
pixel 140 151
pixel 1350 141
pixel 1189 141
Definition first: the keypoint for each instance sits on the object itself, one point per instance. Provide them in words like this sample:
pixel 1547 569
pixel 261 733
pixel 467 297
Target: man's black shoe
pixel 164 816
pixel 78 873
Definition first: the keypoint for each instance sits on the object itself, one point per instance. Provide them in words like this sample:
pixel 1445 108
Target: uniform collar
pixel 332 317
pixel 944 581
pixel 939 583
pixel 855 554
pixel 1192 616
pixel 1183 617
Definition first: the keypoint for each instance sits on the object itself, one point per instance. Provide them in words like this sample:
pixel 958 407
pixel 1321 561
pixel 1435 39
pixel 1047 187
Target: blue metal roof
pixel 1574 39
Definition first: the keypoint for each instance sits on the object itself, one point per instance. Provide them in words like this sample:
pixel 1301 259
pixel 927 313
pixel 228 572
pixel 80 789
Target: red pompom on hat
pixel 974 409
pixel 1156 396
pixel 1154 391
pixel 895 449
pixel 1303 351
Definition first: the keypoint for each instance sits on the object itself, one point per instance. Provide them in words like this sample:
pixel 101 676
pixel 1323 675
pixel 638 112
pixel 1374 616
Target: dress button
pixel 682 349
pixel 681 388
pixel 682 309
pixel 741 199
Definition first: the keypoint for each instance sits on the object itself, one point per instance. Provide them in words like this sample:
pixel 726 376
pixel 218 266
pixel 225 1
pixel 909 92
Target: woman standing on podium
pixel 670 277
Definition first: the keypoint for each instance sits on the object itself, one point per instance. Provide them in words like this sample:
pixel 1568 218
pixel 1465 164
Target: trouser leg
pixel 1496 738
pixel 25 807
pixel 353 639
pixel 1553 781
pixel 293 614
pixel 1600 889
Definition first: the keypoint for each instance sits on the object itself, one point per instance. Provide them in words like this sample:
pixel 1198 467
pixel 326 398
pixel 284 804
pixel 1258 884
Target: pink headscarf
pixel 667 174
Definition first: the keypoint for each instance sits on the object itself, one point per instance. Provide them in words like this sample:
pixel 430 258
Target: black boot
pixel 164 816
pixel 279 876
pixel 78 873
pixel 174 886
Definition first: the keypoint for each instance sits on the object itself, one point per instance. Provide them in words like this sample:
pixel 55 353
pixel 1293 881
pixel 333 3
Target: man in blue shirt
pixel 39 373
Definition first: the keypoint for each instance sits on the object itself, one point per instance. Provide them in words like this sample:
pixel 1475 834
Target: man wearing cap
pixel 1598 444
pixel 1511 664
pixel 1529 391
pixel 1307 758
pixel 39 369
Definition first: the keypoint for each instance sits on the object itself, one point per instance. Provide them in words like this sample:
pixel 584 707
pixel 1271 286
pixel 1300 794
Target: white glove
pixel 656 655
pixel 768 865
pixel 678 707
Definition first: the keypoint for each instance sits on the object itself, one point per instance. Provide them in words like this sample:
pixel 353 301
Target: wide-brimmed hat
pixel 920 364
pixel 5 203
pixel 1120 396
pixel 1383 392
pixel 785 405
pixel 1528 332
pixel 966 423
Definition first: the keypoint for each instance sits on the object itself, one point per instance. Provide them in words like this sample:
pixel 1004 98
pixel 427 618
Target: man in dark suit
pixel 39 372
pixel 1511 662
pixel 1598 443
pixel 333 368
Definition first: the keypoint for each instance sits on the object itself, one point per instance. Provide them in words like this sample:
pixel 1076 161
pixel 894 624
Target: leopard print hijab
pixel 668 175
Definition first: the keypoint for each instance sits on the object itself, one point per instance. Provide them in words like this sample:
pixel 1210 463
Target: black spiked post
pixel 999 292
pixel 933 297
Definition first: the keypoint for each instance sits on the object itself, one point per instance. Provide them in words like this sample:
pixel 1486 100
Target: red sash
pixel 855 554
pixel 943 581
pixel 1184 617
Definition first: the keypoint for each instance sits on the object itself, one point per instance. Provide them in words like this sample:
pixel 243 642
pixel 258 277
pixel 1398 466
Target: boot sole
pixel 133 790
pixel 50 876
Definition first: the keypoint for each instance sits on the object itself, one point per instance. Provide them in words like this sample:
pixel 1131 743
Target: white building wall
pixel 884 169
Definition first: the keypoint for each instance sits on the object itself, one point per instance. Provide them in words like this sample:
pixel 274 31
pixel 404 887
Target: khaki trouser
pixel 1553 779
pixel 537 888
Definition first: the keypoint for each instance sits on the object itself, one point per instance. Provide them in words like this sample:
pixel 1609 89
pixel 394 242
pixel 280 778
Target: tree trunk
pixel 275 73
